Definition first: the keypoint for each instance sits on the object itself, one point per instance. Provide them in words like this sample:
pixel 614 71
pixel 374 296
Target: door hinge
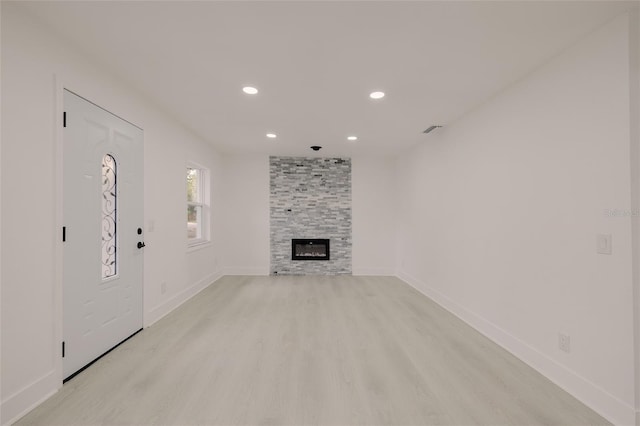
pixel 62 349
pixel 64 234
pixel 64 119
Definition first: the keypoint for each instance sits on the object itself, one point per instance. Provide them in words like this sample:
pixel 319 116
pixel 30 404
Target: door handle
pixel 141 244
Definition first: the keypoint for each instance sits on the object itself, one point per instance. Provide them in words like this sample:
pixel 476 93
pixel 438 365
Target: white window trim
pixel 205 204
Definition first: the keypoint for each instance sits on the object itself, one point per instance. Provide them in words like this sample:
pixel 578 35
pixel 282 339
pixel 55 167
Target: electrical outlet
pixel 603 243
pixel 564 342
pixel 163 288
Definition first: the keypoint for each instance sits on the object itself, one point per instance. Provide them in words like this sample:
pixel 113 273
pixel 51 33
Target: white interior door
pixel 103 225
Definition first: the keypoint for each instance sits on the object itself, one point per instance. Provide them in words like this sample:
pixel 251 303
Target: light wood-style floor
pixel 307 351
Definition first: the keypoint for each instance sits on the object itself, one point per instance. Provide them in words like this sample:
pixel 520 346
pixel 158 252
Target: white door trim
pixel 58 246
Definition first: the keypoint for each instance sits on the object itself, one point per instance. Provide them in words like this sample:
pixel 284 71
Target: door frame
pixel 87 91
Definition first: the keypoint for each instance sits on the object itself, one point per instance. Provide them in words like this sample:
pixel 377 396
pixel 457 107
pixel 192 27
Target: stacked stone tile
pixel 310 198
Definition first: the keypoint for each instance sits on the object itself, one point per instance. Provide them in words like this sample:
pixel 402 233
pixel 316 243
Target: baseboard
pixel 246 271
pixel 380 272
pixel 178 299
pixel 26 399
pixel 590 394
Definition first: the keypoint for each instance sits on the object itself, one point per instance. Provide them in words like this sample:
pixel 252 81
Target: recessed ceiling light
pixel 249 90
pixel 352 138
pixel 376 95
pixel 271 135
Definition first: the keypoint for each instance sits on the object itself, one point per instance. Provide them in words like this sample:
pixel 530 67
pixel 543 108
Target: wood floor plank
pixel 313 350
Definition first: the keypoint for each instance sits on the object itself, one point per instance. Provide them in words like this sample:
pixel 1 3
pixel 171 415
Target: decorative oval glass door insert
pixel 109 216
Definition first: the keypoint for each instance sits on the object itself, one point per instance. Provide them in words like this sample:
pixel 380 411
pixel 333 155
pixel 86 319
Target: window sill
pixel 198 245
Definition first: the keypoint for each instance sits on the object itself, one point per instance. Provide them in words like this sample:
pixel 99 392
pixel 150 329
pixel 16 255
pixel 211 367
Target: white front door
pixel 103 226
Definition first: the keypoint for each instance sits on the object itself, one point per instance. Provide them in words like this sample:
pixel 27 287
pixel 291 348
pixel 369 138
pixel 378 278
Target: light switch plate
pixel 603 244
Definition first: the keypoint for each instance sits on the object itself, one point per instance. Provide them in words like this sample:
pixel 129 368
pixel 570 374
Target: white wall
pixel 35 67
pixel 374 213
pixel 634 76
pixel 499 214
pixel 635 161
pixel 246 215
pixel 0 220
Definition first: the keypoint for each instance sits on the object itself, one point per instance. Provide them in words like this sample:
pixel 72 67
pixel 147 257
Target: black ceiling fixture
pixel 316 147
pixel 431 129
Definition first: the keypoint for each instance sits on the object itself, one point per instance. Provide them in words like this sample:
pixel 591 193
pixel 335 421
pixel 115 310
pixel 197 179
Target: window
pixel 197 208
pixel 109 217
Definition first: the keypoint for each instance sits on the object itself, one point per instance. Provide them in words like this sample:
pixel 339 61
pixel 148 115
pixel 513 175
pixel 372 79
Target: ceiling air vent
pixel 431 129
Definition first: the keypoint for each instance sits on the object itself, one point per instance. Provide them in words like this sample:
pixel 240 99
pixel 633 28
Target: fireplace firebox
pixel 310 249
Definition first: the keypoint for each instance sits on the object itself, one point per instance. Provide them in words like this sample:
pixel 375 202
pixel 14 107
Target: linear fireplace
pixel 309 249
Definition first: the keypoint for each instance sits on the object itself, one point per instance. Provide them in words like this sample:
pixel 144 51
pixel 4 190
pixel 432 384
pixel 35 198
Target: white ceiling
pixel 316 62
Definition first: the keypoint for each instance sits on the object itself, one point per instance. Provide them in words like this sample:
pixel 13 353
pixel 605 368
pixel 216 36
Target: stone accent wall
pixel 310 198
